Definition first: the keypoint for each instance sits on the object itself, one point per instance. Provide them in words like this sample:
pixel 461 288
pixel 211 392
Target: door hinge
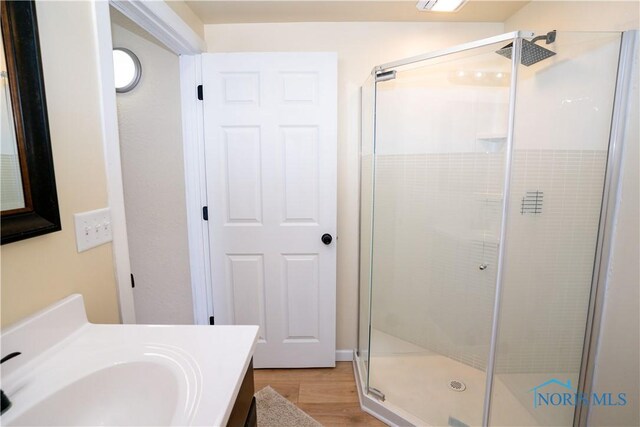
pixel 377 394
pixel 200 95
pixel 133 281
pixel 205 213
pixel 211 320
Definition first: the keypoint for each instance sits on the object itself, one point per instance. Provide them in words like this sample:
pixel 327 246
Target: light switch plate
pixel 93 228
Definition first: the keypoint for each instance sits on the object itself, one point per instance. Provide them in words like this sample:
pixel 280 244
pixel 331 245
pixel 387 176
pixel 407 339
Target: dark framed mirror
pixel 28 197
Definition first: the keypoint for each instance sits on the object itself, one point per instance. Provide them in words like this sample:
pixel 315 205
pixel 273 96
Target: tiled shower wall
pixel 550 260
pixel 437 219
pixel 434 215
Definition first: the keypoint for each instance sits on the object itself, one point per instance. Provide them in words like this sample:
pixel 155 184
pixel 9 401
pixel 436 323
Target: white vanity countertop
pixel 59 347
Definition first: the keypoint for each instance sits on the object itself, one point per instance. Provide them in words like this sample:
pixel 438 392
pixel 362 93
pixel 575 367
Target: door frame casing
pixel 159 20
pixel 196 188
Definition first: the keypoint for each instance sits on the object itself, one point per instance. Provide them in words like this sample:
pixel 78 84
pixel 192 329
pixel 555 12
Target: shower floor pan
pixel 417 388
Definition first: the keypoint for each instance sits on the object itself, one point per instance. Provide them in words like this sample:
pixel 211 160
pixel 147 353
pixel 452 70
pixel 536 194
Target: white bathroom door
pixel 270 143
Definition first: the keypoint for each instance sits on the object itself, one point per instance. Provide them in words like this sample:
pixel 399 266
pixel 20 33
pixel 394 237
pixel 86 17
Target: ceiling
pixel 248 11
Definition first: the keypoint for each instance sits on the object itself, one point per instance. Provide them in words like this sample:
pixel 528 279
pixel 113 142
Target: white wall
pixel 149 119
pixel 360 46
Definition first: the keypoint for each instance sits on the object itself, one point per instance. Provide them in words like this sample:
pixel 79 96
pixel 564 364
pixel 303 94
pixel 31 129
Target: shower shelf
pixel 491 143
pixel 492 137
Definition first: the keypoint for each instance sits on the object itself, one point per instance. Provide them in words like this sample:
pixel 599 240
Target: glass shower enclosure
pixel 483 173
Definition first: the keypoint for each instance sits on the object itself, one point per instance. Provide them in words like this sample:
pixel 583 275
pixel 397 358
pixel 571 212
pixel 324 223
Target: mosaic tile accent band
pixel 436 223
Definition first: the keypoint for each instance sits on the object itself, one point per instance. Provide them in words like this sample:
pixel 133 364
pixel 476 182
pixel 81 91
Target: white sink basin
pixel 72 372
pixel 101 398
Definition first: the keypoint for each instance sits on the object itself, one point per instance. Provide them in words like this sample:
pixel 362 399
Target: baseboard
pixel 344 355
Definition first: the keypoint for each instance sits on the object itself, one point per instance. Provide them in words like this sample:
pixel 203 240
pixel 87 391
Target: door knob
pixel 326 238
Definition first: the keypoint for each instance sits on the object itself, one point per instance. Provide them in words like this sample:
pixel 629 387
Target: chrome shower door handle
pixel 482 267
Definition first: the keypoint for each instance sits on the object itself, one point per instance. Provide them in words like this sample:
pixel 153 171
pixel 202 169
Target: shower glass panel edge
pixel 367 169
pixel 515 65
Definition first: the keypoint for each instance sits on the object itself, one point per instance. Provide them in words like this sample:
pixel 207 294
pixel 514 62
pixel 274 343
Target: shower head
pixel 531 52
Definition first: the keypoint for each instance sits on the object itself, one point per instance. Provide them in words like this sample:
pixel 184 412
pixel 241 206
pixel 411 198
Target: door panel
pixel 270 132
pixel 243 194
pixel 301 285
pixel 300 160
pixel 245 278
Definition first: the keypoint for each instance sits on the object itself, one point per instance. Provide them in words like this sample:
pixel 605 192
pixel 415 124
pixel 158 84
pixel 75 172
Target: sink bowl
pixel 101 399
pixel 71 372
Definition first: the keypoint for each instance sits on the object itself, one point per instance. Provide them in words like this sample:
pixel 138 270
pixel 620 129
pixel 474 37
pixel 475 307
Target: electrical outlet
pixel 93 228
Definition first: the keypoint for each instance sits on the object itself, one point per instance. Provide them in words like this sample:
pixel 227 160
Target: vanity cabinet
pixel 244 412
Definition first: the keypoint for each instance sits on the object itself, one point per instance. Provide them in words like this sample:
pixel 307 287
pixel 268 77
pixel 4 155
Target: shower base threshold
pixel 385 412
pixel 436 390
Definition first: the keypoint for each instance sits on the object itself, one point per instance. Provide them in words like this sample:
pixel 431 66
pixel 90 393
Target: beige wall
pixel 39 271
pixel 545 16
pixel 360 46
pixel 187 16
pixel 149 122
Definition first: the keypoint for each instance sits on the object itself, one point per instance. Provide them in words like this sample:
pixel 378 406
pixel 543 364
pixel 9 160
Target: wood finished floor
pixel 329 395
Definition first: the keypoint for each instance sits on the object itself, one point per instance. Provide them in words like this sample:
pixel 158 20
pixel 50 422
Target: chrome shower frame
pixel 629 44
pixel 512 36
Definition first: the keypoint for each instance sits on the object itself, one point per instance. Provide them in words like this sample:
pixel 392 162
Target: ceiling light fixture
pixel 440 5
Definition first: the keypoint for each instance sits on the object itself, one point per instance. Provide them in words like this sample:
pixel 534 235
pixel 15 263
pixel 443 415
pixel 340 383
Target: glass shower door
pixel 439 165
pixel 561 137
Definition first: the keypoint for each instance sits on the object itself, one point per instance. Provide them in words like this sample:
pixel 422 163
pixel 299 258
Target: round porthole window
pixel 126 69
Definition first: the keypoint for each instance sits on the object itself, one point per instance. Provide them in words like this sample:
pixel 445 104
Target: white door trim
pixel 195 188
pixel 159 20
pixel 113 168
pixel 163 23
